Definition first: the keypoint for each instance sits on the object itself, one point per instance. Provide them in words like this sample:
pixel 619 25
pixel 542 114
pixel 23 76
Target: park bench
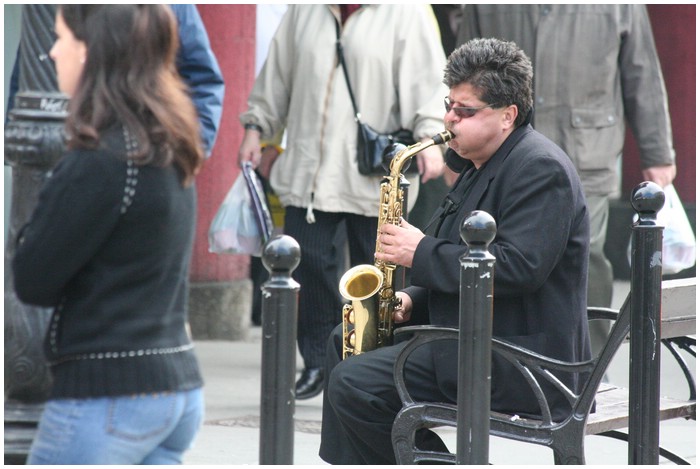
pixel 654 313
pixel 565 438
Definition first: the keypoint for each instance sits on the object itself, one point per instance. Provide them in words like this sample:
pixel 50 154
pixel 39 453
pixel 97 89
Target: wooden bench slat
pixel 612 405
pixel 678 307
pixel 677 327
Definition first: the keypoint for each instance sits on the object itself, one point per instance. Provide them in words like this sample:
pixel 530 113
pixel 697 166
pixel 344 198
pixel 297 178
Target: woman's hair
pixel 498 70
pixel 130 78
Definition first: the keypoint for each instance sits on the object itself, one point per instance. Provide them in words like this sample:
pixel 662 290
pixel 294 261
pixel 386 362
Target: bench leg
pixel 411 419
pixel 574 456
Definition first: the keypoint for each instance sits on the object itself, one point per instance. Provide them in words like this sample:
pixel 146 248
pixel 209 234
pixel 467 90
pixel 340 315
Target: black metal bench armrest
pixel 528 363
pixel 599 312
pixel 422 335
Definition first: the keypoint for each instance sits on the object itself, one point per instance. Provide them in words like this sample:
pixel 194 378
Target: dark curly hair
pixel 497 69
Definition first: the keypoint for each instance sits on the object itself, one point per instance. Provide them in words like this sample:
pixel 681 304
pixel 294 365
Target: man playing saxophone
pixel 531 189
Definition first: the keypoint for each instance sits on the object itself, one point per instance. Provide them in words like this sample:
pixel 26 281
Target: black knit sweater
pixel 108 247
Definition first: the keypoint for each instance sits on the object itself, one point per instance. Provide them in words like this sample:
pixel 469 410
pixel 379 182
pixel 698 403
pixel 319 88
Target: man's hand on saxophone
pixel 397 244
pixel 403 312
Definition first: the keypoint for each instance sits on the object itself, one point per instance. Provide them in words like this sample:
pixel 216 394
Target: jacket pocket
pixel 597 138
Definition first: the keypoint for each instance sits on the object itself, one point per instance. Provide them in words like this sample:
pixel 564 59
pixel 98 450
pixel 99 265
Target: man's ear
pixel 510 113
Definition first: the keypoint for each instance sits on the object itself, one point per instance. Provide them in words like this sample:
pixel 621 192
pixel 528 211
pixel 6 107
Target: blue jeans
pixel 139 429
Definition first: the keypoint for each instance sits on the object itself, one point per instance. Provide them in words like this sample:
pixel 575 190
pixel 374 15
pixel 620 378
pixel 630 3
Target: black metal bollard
pixel 280 294
pixel 34 143
pixel 475 331
pixel 645 325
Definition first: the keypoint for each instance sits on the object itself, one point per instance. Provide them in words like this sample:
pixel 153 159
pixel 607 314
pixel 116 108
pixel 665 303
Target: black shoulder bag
pixel 370 143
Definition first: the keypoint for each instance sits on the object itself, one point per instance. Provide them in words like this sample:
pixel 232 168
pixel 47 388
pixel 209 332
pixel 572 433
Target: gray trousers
pixel 600 271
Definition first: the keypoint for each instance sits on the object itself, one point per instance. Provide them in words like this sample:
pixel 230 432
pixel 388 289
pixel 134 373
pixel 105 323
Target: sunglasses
pixel 463 112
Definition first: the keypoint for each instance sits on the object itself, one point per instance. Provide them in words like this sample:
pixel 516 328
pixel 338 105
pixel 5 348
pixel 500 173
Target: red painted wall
pixel 674 32
pixel 231 30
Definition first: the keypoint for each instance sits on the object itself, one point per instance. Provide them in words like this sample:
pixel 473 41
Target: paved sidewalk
pixel 231 431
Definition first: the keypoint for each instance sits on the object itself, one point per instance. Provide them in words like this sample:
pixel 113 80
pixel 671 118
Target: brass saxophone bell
pixel 360 285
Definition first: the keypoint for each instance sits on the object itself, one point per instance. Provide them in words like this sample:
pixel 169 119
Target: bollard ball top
pixel 281 254
pixel 478 228
pixel 647 199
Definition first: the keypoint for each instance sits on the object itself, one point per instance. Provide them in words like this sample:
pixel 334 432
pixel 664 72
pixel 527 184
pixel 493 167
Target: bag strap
pixel 341 59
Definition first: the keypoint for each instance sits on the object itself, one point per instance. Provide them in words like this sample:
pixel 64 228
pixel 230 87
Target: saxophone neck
pixel 400 159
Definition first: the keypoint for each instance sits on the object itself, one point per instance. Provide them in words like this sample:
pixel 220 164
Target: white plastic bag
pixel 679 240
pixel 236 228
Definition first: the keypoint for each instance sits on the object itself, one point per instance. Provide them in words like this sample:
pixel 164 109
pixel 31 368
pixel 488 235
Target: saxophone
pixel 368 319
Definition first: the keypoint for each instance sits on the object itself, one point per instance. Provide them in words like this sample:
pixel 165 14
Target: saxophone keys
pixel 350 340
pixel 350 316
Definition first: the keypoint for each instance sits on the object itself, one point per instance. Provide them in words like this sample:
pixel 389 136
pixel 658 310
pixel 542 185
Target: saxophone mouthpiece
pixel 443 137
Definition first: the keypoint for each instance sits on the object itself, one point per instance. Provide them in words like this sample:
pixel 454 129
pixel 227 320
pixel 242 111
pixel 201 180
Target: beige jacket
pixel 395 62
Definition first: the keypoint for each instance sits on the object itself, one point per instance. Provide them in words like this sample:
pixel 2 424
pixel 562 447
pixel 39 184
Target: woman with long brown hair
pixel 108 246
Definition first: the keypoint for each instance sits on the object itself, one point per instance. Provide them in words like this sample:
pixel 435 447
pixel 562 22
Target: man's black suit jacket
pixel 533 192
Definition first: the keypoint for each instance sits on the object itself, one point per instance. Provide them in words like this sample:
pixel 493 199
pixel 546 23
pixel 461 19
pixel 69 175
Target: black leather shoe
pixel 310 383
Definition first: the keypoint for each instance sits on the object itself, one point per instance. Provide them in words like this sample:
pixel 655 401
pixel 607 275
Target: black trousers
pixel 360 403
pixel 319 271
